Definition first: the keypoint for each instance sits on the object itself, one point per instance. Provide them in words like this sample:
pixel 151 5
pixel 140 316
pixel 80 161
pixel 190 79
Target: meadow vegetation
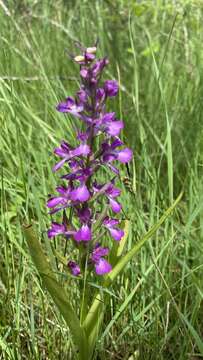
pixel 155 51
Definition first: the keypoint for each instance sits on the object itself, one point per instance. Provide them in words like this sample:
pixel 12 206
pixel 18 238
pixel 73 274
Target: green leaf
pixel 56 291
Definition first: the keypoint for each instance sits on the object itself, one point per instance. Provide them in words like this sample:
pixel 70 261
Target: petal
pixel 63 190
pixel 63 150
pixel 117 234
pixel 115 205
pixel 56 229
pixel 109 157
pixel 83 149
pixel 111 88
pixel 80 194
pixel 102 267
pixel 117 142
pixel 110 222
pixel 100 94
pixel 125 155
pixel 108 117
pixel 54 201
pixel 98 252
pixel 74 267
pixel 59 165
pixel 84 73
pixel 83 234
pixel 113 191
pixel 82 95
pixel 114 128
pixel 84 215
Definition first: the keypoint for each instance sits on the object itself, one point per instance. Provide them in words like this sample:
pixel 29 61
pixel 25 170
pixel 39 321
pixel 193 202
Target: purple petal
pixel 63 190
pixel 98 252
pixel 56 229
pixel 125 155
pixel 82 95
pixel 59 165
pixel 98 66
pixel 84 73
pixel 74 267
pixel 63 150
pixel 108 117
pixel 117 142
pixel 102 267
pixel 82 136
pixel 84 215
pixel 65 106
pixel 113 191
pixel 115 206
pixel 54 201
pixel 117 234
pixel 100 94
pixel 83 234
pixel 109 157
pixel 83 149
pixel 80 194
pixel 114 128
pixel 110 222
pixel 111 88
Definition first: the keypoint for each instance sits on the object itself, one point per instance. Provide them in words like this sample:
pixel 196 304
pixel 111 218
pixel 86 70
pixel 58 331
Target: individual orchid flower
pixel 102 266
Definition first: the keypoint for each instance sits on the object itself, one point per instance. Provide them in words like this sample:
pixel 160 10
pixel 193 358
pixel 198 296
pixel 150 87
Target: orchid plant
pixel 87 209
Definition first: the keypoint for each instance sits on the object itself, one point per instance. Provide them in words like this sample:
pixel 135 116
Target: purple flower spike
pixel 80 197
pixel 111 88
pixel 74 268
pixel 83 234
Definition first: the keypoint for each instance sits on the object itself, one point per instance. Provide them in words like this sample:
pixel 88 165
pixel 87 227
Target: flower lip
pixel 83 234
pixel 80 194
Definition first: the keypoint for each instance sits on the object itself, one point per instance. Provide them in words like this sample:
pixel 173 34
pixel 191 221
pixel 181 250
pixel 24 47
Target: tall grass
pixel 155 50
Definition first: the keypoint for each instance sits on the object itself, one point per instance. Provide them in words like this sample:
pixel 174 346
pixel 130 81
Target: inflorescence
pixel 90 203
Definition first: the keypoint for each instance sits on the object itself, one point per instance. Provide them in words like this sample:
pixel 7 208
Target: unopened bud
pixel 91 50
pixel 79 58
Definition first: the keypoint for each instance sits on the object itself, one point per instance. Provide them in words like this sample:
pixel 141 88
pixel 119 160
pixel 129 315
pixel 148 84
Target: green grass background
pixel 155 50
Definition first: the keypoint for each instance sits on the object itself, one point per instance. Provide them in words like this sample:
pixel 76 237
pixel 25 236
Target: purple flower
pixel 74 268
pixel 70 106
pixel 56 229
pixel 83 234
pixel 111 88
pixel 81 193
pixel 102 266
pixel 111 193
pixel 62 200
pixel 67 153
pixel 110 153
pixel 115 232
